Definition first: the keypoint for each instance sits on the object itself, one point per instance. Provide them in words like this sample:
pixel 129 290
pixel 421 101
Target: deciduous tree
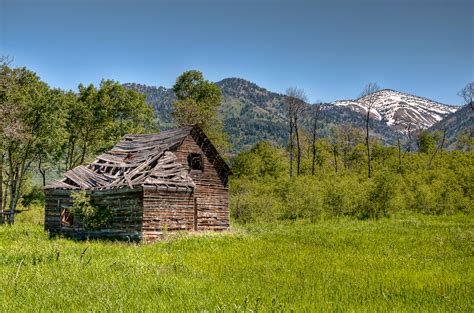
pixel 99 117
pixel 197 103
pixel 369 98
pixel 32 125
pixel 295 101
pixel 315 116
pixel 467 93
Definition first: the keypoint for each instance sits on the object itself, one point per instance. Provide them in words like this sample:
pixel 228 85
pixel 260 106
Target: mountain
pixel 252 113
pixel 456 123
pixel 400 110
pixel 161 100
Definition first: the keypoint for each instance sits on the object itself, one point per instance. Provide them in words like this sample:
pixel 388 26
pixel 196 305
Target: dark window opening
pixel 196 162
pixel 66 217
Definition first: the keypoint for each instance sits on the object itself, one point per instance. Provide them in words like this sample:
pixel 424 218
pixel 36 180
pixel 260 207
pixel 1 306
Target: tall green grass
pixel 405 263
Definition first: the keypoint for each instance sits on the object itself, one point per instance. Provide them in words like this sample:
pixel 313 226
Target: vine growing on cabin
pixel 92 215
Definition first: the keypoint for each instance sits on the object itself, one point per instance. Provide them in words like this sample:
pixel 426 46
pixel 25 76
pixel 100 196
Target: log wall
pixel 127 211
pixel 211 192
pixel 166 211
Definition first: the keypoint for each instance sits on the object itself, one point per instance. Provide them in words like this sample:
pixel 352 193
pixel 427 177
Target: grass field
pixel 405 263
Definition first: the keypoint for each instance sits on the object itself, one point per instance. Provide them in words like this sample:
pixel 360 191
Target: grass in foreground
pixel 404 263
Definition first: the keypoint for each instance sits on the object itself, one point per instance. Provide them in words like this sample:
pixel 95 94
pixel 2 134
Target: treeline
pixel 52 130
pixel 261 189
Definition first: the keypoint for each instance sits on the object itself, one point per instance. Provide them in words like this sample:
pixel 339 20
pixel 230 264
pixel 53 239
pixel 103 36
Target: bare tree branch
pixel 369 97
pixel 295 100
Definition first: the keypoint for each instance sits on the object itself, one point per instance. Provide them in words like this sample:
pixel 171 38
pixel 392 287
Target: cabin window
pixel 66 217
pixel 196 161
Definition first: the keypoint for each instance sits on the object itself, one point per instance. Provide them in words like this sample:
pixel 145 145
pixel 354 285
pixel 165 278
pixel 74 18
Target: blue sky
pixel 329 48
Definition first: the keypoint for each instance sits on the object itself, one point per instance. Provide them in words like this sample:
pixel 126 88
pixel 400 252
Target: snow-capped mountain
pixel 400 110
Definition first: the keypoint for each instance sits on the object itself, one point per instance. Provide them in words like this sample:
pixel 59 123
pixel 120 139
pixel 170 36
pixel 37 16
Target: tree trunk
pixel 5 197
pixel 438 148
pixel 2 158
pixel 291 148
pixel 70 154
pixel 344 157
pixel 15 182
pixel 83 154
pixel 367 143
pixel 334 151
pixel 399 146
pixel 442 141
pixel 42 172
pixel 11 193
pixel 11 219
pixel 313 160
pixel 298 144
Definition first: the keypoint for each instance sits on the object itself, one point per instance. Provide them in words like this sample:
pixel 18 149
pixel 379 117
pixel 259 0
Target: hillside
pixel 160 98
pixel 252 113
pixel 460 121
pixel 399 110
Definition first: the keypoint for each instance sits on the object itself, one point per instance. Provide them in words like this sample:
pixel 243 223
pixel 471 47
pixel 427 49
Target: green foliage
pixel 407 263
pixel 99 117
pixel 192 85
pixel 248 206
pixel 257 194
pixel 465 140
pixel 59 130
pixel 33 197
pixel 91 215
pixel 262 160
pixel 301 200
pixel 32 117
pixel 197 103
pixel 385 195
pixel 426 142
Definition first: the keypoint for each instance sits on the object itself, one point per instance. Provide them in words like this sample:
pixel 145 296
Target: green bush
pixel 384 195
pixel 91 215
pixel 248 204
pixel 346 195
pixel 301 198
pixel 446 187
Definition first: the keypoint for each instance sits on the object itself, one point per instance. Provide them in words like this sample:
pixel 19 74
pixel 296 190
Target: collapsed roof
pixel 138 160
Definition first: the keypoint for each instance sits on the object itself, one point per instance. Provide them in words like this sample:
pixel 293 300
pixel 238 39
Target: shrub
pixel 254 200
pixel 91 215
pixel 302 197
pixel 346 195
pixel 383 196
pixel 445 188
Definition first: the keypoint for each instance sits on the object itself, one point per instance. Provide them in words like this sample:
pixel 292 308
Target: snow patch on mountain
pixel 400 110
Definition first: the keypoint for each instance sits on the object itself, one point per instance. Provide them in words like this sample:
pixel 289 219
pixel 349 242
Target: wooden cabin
pixel 152 184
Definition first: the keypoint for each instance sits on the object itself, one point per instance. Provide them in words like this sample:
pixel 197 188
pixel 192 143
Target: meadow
pixel 408 262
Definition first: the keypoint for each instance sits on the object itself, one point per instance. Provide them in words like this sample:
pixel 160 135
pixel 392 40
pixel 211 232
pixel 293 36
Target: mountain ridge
pixel 401 110
pixel 252 113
